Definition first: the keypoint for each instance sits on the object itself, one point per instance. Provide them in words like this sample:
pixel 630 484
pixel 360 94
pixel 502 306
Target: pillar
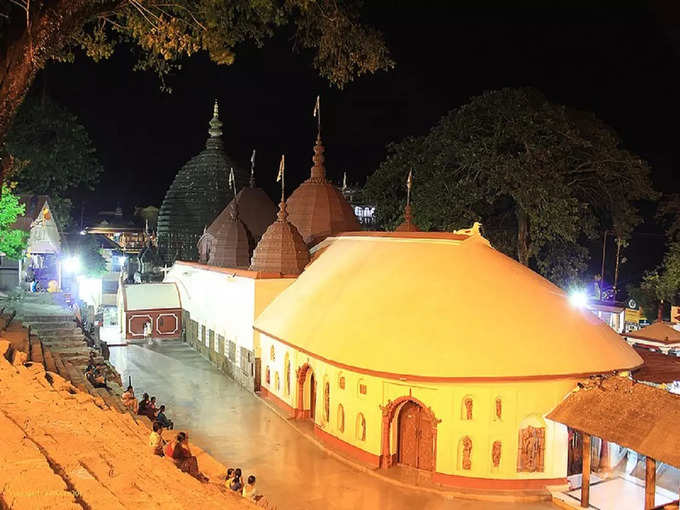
pixel 650 483
pixel 585 472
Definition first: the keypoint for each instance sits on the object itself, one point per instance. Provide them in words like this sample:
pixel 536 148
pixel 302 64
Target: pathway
pixel 239 430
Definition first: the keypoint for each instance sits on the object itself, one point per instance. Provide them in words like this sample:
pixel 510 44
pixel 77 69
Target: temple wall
pixel 522 403
pixel 219 309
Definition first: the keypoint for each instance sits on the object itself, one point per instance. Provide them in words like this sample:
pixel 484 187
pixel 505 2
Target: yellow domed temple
pixel 424 349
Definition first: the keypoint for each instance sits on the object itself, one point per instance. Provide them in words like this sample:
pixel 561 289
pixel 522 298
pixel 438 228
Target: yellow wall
pixel 521 400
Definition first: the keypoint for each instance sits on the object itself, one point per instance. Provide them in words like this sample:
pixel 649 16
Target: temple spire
pixel 215 123
pixel 408 225
pixel 252 169
pixel 281 177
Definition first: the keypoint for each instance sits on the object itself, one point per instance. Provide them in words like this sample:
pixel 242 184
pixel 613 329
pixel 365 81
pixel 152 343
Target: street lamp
pixel 578 298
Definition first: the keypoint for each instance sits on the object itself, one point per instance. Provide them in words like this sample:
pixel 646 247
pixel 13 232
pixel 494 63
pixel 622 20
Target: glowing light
pixel 121 259
pixel 71 265
pixel 578 298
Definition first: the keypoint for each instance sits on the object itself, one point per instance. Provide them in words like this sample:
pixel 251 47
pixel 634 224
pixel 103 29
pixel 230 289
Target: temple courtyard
pixel 240 430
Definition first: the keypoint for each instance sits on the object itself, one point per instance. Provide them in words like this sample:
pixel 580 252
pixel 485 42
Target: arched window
pixel 499 409
pixel 361 387
pixel 341 418
pixel 326 401
pixel 465 453
pixel 272 353
pixel 341 381
pixel 277 381
pixel 287 368
pixel 267 377
pixel 531 444
pixel 361 427
pixel 466 409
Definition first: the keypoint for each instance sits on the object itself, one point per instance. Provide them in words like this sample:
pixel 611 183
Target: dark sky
pixel 620 63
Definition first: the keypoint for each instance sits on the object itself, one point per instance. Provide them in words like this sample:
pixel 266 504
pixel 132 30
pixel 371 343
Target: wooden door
pixel 409 416
pixel 416 437
pixel 425 442
pixel 574 455
pixel 312 396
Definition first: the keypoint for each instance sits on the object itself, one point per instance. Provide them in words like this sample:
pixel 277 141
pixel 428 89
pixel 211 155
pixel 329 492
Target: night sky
pixel 621 63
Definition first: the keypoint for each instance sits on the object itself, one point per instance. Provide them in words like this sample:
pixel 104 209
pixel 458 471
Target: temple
pixel 195 197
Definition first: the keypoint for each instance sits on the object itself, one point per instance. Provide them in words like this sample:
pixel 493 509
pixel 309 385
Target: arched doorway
pixel 306 392
pixel 415 437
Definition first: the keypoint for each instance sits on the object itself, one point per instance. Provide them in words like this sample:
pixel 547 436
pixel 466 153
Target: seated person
pixel 236 485
pixel 249 488
pixel 161 418
pixel 141 408
pixel 129 399
pixel 183 458
pixel 230 477
pixel 156 440
pixel 95 379
pixel 151 408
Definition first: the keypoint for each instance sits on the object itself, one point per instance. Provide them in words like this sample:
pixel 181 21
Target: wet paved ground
pixel 239 430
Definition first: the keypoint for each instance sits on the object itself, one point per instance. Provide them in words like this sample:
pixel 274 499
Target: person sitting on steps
pixel 249 488
pixel 156 440
pixel 143 404
pixel 236 485
pixel 96 379
pixel 163 420
pixel 183 458
pixel 129 399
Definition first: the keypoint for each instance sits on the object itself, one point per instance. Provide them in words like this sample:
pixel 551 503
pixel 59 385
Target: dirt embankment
pixel 63 448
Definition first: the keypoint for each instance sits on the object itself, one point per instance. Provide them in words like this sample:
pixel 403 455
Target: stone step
pixel 47 318
pixel 61 338
pixel 56 331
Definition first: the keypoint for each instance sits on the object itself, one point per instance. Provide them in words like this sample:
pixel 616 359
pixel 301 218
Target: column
pixel 585 472
pixel 650 483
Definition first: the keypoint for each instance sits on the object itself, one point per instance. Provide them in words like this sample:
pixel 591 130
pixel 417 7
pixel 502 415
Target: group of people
pixel 94 373
pixel 146 407
pixel 234 482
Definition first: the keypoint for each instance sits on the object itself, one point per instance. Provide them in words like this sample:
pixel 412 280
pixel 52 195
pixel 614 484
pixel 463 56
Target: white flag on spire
pixel 231 177
pixel 281 168
pixel 252 159
pixel 409 180
pixel 344 181
pixel 317 107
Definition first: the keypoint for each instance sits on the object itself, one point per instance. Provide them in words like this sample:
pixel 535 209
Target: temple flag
pixel 281 168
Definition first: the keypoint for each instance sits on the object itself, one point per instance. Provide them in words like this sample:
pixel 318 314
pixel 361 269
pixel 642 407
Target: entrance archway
pixel 306 392
pixel 415 428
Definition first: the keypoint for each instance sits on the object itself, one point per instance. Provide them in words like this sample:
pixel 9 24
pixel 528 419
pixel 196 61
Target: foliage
pixel 669 212
pixel 164 32
pixel 12 241
pixel 660 285
pixel 57 152
pixel 541 178
pixel 148 214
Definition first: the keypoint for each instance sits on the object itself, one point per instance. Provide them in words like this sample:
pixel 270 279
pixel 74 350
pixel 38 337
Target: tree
pixel 541 178
pixel 12 241
pixel 36 31
pixel 661 285
pixel 58 154
pixel 149 215
pixel 93 263
pixel 669 212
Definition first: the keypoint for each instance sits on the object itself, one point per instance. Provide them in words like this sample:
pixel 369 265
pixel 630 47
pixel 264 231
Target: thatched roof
pixel 634 415
pixel 658 368
pixel 660 332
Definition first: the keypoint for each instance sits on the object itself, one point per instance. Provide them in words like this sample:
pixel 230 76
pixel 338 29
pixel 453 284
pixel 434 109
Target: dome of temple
pixel 281 249
pixel 225 243
pixel 317 208
pixel 438 306
pixel 196 196
pixel 255 209
pixel 407 225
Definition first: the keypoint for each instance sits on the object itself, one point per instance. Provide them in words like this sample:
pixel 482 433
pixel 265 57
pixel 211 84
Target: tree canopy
pixel 33 32
pixel 661 285
pixel 56 152
pixel 12 241
pixel 540 177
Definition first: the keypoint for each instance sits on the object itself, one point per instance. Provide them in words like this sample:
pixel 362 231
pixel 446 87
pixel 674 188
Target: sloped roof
pixel 635 415
pixel 33 205
pixel 658 368
pixel 151 296
pixel 438 305
pixel 661 332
